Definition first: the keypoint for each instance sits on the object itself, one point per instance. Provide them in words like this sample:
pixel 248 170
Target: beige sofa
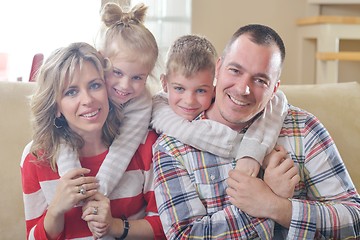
pixel 336 105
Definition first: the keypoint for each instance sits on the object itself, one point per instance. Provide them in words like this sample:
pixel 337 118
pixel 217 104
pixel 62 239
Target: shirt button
pixel 212 177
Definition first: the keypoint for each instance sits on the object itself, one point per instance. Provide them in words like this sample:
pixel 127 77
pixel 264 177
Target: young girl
pixel 133 52
pixel 71 106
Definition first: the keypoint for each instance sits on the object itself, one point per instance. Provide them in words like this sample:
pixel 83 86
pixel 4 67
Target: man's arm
pixel 332 202
pixel 325 204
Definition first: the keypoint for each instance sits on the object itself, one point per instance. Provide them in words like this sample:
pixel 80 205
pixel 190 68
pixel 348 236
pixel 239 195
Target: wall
pixel 219 19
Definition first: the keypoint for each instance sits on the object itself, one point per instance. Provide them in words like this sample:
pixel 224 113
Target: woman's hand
pixel 72 188
pixel 97 213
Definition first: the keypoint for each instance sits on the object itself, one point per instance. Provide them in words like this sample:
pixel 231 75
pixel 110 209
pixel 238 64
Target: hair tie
pixel 126 22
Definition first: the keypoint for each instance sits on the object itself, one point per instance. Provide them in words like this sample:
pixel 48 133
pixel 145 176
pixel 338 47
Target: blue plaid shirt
pixel 192 202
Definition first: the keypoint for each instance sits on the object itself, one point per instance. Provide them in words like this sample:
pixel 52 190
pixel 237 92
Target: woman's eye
pixel 95 85
pixel 70 92
pixel 201 91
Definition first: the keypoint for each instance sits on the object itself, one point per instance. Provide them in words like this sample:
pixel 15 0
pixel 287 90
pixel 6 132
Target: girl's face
pixel 127 79
pixel 84 102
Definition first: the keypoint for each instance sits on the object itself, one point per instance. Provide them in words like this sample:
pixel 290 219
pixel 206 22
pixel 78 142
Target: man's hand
pixel 281 175
pixel 253 196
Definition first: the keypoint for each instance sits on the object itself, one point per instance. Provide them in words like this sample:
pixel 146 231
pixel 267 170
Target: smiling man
pixel 200 196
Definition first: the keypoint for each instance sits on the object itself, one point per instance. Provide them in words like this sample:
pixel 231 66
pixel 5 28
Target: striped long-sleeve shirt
pixel 133 197
pixel 190 190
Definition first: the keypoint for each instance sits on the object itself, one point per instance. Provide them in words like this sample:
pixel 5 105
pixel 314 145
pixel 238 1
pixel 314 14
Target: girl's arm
pixel 133 130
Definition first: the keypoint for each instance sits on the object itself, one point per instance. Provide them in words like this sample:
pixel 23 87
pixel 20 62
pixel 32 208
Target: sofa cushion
pixel 337 106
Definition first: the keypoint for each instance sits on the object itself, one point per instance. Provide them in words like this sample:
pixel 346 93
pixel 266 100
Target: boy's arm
pixel 205 135
pixel 262 135
pixel 219 139
pixel 133 131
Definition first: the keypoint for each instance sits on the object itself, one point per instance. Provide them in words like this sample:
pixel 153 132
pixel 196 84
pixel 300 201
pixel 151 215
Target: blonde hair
pixel 190 54
pixel 52 78
pixel 124 34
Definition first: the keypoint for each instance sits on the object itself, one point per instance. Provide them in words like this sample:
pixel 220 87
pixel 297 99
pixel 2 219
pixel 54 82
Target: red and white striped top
pixel 133 197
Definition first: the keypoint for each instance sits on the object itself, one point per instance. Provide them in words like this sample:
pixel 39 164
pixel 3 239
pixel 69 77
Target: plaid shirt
pixel 192 202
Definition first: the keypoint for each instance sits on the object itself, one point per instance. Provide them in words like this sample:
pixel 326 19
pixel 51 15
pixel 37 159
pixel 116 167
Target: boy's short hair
pixel 190 54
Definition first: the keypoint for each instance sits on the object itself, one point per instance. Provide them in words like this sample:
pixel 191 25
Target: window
pixel 167 20
pixel 41 26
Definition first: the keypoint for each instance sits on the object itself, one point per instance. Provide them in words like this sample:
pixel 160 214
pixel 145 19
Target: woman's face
pixel 84 102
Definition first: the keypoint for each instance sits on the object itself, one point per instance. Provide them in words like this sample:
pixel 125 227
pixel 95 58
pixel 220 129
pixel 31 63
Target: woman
pixel 71 107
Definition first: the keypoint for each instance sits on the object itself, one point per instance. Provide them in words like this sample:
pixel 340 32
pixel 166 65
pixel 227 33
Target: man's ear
pixel 217 68
pixel 276 87
pixel 163 81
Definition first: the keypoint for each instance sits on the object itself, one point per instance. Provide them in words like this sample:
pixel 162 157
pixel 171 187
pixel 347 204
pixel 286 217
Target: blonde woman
pixel 71 106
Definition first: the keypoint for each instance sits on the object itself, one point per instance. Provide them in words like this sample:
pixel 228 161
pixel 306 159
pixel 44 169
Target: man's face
pixel 247 78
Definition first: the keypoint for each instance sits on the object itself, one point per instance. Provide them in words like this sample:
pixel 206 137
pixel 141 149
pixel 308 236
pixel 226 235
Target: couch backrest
pixel 336 105
pixel 15 134
pixel 338 108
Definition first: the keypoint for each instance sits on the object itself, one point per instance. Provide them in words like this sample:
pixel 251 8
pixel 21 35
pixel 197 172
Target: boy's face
pixel 188 97
pixel 126 80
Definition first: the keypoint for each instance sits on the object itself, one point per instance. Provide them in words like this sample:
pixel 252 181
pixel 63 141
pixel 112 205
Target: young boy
pixel 188 86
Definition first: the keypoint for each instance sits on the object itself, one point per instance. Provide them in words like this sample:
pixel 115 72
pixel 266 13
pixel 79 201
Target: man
pixel 200 196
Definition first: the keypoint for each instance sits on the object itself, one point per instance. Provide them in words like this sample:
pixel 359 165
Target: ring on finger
pixel 95 211
pixel 82 190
